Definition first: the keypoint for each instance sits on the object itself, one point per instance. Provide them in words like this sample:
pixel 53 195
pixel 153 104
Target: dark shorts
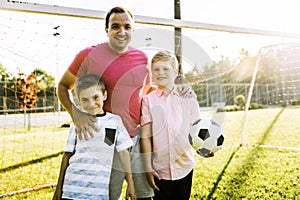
pixel 174 189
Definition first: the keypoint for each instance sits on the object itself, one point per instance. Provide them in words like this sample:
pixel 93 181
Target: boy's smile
pixel 92 100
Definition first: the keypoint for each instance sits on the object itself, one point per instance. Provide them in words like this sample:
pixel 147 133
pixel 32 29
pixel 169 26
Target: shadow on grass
pixel 222 172
pixel 250 159
pixel 24 164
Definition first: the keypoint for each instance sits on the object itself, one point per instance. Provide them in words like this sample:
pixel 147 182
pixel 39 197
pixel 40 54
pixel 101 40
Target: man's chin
pixel 121 48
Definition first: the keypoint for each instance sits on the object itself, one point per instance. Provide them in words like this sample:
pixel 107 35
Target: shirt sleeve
pixel 76 64
pixel 123 139
pixel 72 139
pixel 145 114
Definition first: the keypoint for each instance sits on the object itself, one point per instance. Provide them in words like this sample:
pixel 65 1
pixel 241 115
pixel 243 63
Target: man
pixel 124 70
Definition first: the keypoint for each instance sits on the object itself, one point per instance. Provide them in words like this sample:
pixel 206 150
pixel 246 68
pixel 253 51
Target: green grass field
pixel 266 166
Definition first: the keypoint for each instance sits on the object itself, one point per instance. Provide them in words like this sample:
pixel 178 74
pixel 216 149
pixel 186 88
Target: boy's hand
pixel 85 124
pixel 130 193
pixel 207 155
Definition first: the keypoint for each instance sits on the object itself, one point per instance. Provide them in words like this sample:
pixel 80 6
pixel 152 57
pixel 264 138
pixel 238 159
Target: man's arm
pixel 83 121
pixel 65 84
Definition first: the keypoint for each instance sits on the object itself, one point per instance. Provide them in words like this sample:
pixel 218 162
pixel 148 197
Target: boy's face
pixel 119 31
pixel 92 100
pixel 163 74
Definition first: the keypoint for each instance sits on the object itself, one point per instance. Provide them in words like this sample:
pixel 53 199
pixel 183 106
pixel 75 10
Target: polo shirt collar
pixel 160 92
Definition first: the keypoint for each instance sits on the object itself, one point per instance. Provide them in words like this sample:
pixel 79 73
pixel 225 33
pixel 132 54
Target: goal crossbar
pixel 21 6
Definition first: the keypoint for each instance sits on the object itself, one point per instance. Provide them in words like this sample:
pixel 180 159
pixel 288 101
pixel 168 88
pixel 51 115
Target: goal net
pixel 238 79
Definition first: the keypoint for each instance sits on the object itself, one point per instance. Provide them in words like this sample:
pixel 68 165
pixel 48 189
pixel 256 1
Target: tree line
pixel 26 92
pixel 279 68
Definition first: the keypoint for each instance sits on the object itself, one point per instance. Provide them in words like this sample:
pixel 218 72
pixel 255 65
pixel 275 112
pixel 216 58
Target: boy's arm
pixel 125 159
pixel 63 168
pixel 146 147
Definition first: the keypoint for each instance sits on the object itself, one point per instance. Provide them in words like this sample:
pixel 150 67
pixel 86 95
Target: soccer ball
pixel 206 136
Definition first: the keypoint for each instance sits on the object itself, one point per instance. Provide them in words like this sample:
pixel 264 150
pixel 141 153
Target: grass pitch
pixel 266 166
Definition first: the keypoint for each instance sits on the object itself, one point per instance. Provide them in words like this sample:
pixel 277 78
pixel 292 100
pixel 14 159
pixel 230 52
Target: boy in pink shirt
pixel 166 120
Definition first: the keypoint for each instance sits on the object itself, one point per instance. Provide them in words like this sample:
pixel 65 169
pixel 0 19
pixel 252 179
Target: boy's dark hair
pixel 87 81
pixel 116 10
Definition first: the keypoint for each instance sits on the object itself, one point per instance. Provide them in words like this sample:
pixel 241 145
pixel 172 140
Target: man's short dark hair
pixel 116 10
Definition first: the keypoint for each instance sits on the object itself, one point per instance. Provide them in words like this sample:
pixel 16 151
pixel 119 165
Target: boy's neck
pixel 167 90
pixel 101 114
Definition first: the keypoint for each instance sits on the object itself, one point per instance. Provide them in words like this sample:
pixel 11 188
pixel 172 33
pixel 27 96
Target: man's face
pixel 120 28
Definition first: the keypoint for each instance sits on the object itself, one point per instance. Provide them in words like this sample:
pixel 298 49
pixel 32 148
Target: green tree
pixel 44 80
pixel 6 87
pixel 240 101
pixel 5 75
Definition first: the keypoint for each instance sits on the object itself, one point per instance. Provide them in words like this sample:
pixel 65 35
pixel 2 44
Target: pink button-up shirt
pixel 171 117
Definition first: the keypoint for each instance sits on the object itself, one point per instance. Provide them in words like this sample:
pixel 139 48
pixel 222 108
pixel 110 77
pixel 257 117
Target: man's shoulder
pixel 85 52
pixel 91 48
pixel 137 51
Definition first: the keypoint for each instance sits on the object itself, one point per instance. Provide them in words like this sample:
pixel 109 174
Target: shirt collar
pixel 101 115
pixel 160 92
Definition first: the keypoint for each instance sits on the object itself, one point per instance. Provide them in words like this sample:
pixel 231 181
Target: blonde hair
pixel 165 56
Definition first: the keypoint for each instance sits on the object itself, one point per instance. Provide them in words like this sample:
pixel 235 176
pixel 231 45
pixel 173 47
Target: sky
pixel 279 15
pixel 27 41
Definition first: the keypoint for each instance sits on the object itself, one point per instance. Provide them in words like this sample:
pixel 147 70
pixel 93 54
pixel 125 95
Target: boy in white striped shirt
pixel 86 164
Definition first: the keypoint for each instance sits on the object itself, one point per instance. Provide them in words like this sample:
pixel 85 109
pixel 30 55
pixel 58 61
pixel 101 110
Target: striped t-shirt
pixel 88 173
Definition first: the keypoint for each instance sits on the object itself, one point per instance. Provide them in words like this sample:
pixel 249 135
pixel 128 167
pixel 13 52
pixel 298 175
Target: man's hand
pixel 150 178
pixel 85 124
pixel 185 90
